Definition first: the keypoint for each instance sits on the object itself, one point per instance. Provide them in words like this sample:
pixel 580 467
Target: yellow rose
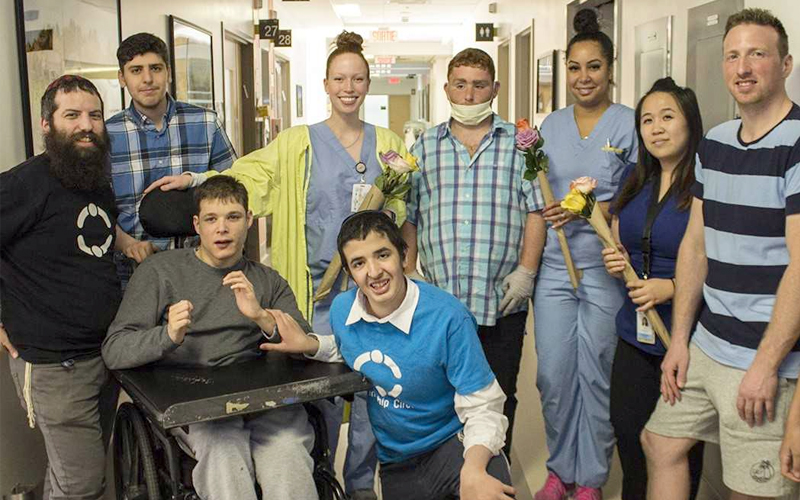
pixel 574 202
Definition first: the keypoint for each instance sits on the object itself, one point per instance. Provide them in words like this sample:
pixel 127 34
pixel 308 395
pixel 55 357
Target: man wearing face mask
pixel 474 220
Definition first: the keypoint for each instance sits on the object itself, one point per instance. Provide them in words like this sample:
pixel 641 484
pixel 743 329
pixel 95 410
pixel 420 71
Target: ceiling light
pixel 348 10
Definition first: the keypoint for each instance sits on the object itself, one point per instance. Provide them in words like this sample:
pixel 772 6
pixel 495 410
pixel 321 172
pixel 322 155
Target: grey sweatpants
pixel 273 447
pixel 73 405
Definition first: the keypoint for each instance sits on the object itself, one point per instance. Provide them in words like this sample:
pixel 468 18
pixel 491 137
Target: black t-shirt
pixel 58 283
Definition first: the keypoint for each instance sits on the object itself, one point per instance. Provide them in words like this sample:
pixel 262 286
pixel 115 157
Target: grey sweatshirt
pixel 219 333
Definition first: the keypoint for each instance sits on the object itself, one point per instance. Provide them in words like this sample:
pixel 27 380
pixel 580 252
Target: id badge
pixel 644 330
pixel 359 193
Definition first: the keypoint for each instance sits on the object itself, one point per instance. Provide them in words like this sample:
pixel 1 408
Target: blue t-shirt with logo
pixel 416 375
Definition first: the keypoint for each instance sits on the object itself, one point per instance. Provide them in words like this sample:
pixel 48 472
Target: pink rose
pixel 583 184
pixel 399 164
pixel 527 138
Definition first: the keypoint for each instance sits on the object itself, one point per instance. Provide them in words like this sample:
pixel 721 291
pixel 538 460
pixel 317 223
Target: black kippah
pixel 166 214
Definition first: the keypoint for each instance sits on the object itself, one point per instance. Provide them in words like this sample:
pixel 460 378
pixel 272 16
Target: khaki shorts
pixel 707 412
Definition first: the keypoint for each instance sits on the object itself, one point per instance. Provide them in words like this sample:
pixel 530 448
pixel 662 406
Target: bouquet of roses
pixel 388 190
pixel 530 142
pixel 581 201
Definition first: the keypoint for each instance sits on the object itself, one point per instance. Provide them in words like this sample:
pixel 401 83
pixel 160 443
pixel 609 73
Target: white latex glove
pixel 517 287
pixel 415 275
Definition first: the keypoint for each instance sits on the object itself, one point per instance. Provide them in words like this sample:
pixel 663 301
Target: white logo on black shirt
pixel 94 211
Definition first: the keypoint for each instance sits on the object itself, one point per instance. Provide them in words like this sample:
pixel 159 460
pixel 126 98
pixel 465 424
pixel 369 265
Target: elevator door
pixel 704 60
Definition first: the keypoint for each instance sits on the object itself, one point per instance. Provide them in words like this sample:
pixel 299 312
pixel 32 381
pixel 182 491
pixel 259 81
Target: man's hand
pixel 12 351
pixel 246 299
pixel 479 485
pixel 790 451
pixel 140 250
pixel 293 338
pixel 518 287
pixel 673 372
pixel 170 182
pixel 179 317
pixel 648 293
pixel 757 393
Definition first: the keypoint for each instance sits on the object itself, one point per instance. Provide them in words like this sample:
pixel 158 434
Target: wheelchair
pixel 149 462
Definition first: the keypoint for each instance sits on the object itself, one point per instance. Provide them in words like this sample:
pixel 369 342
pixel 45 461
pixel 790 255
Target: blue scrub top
pixel 665 238
pixel 571 157
pixel 330 189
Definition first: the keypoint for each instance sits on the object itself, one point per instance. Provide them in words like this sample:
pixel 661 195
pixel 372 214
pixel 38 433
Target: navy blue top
pixel 665 238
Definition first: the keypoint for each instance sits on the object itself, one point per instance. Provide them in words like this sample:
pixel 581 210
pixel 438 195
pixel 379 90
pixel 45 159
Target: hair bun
pixel 349 40
pixel 585 21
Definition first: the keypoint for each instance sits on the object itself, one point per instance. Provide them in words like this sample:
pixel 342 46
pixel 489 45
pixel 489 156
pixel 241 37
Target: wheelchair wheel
pixel 134 467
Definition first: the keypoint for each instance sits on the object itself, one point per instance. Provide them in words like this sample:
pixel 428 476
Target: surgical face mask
pixel 471 114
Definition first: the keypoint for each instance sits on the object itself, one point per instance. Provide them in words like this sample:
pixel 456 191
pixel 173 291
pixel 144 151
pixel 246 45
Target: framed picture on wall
pixel 58 37
pixel 546 65
pixel 192 62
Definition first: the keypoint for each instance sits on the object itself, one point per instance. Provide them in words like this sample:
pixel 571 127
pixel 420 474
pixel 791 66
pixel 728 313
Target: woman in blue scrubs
pixel 575 329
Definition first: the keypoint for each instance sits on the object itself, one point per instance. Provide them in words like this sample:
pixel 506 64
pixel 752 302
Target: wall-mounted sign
pixel 385 59
pixel 484 32
pixel 284 38
pixel 384 35
pixel 394 80
pixel 268 29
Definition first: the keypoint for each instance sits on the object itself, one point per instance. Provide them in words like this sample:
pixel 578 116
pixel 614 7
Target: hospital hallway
pixel 260 65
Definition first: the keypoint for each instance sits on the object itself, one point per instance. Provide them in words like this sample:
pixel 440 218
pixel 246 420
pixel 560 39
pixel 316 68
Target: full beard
pixel 76 167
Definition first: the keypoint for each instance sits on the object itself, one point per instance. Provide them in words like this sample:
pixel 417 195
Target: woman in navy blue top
pixel 651 211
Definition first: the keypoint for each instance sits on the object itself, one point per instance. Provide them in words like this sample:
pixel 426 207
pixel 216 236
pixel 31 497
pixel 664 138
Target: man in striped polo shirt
pixel 739 268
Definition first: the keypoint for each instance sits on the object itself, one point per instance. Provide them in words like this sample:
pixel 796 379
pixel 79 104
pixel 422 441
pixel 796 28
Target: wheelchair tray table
pixel 177 396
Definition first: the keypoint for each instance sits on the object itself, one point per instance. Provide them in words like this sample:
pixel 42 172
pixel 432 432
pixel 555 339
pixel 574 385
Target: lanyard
pixel 653 210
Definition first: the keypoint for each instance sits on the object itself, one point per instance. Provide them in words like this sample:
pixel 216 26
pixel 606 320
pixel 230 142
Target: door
pixel 502 79
pixel 399 113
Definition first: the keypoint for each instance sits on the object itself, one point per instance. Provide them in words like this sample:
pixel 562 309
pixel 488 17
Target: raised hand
pixel 179 317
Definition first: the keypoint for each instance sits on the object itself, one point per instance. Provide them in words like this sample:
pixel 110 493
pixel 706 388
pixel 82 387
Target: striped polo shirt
pixel 748 190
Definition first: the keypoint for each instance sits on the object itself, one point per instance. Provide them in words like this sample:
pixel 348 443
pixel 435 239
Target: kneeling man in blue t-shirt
pixel 436 409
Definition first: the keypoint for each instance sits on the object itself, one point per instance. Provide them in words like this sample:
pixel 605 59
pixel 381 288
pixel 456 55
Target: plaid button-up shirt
pixel 470 214
pixel 191 140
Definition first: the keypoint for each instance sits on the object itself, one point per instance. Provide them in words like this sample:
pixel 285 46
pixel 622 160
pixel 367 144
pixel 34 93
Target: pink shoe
pixel 585 493
pixel 553 489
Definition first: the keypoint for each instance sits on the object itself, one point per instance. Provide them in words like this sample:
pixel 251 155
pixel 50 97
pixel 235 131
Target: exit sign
pixel 394 80
pixel 384 35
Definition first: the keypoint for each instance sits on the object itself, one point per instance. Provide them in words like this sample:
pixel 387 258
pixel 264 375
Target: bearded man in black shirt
pixel 59 288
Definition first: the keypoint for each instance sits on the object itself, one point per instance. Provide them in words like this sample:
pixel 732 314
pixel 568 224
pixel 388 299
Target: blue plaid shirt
pixel 470 214
pixel 191 140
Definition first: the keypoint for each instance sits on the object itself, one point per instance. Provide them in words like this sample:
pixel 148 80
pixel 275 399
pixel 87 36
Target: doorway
pixel 523 89
pixel 502 79
pixel 399 113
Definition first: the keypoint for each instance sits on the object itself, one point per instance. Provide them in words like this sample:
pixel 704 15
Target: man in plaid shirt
pixel 478 224
pixel 155 136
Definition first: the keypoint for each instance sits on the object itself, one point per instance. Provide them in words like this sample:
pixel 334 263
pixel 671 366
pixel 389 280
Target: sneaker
pixel 553 489
pixel 586 493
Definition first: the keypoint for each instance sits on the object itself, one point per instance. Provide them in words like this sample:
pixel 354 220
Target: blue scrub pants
pixel 575 342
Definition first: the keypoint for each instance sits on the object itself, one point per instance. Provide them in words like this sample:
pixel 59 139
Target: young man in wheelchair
pixel 436 409
pixel 205 306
